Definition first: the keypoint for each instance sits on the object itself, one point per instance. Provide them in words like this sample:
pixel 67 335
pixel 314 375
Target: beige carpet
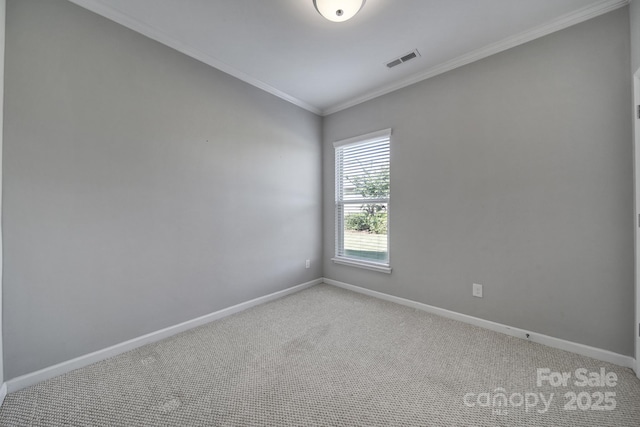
pixel 325 356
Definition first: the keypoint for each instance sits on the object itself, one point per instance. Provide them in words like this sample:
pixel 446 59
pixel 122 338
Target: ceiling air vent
pixel 404 58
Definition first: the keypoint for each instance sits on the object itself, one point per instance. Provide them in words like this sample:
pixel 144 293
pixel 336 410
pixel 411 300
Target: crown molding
pixel 547 28
pixel 556 24
pixel 125 20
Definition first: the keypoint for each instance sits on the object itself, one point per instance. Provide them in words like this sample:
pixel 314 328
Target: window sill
pixel 382 268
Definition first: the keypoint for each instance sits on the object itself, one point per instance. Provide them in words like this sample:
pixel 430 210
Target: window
pixel 362 201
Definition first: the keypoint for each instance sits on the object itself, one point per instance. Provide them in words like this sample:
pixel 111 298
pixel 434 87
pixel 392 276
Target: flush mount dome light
pixel 338 10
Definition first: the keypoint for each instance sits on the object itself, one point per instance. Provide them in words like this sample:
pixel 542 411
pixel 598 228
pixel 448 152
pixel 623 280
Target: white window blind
pixel 362 198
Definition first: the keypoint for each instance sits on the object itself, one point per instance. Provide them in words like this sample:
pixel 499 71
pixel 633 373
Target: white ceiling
pixel 285 47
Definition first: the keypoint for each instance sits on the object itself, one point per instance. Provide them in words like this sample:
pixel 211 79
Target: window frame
pixel 384 267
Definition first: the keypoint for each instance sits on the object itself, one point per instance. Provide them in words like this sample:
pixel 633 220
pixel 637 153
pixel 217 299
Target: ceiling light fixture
pixel 338 10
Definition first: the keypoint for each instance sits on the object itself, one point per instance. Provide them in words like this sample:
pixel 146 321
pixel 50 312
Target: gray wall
pixel 141 188
pixel 634 11
pixel 514 172
pixel 3 5
pixel 634 14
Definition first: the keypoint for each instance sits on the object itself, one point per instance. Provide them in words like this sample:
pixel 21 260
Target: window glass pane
pixel 365 231
pixel 362 197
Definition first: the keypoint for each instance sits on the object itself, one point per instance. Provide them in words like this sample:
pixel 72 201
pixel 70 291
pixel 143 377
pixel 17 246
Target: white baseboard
pixel 3 393
pixel 23 381
pixel 584 350
pixel 27 380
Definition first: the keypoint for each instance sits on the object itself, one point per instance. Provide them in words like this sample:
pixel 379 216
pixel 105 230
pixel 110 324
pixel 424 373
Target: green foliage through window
pixel 373 218
pixel 376 223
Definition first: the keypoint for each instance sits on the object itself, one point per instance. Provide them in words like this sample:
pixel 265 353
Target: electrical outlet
pixel 307 264
pixel 477 290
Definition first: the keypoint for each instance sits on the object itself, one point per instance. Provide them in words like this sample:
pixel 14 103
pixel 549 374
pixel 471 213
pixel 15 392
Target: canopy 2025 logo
pixel 500 402
pixel 584 401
